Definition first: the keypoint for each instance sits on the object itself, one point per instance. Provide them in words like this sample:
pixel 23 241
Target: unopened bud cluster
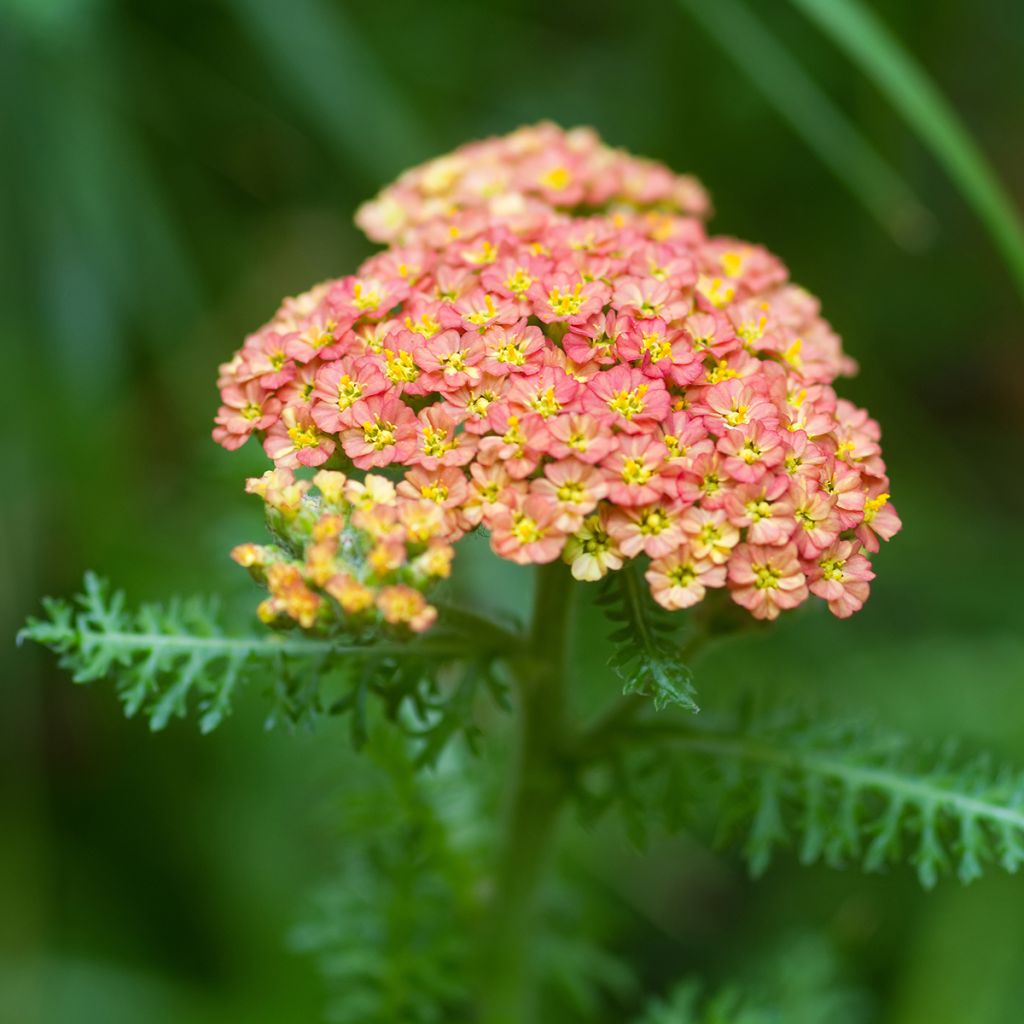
pixel 351 554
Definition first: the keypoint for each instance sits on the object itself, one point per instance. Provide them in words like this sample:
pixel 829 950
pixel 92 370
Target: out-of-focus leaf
pixel 816 119
pixel 895 71
pixel 317 52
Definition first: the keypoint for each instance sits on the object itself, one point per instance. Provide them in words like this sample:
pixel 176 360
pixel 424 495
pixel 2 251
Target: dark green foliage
pixel 686 1005
pixel 647 658
pixel 838 793
pixel 389 931
pixel 795 981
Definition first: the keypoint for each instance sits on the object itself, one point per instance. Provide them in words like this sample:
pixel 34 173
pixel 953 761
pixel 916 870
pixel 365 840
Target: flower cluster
pixel 349 553
pixel 519 179
pixel 592 386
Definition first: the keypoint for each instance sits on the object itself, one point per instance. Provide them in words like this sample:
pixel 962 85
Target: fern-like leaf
pixel 165 658
pixel 646 658
pixel 845 793
pixel 686 1004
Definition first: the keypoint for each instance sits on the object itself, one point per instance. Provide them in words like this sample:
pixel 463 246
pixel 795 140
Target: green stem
pixel 540 784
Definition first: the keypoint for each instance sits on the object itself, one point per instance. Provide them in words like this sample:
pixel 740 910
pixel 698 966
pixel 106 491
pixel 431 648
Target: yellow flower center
pixel 435 492
pixel 872 505
pixel 718 292
pixel 514 434
pixel 629 403
pixel 545 403
pixel 510 353
pixel 657 346
pixel 558 178
pixel 653 521
pixel 453 362
pixel 682 575
pixel 365 298
pixel 736 416
pixel 767 577
pixel 750 452
pixel 436 442
pixel 304 437
pixel 427 326
pixel 478 406
pixel 526 530
pixel 571 491
pixel 251 411
pixel 721 371
pixel 758 510
pixel 479 317
pixel 400 367
pixel 832 568
pixel 732 263
pixel 379 434
pixel 519 281
pixel 566 303
pixel 635 472
pixel 349 391
pixel 750 331
pixel 487 253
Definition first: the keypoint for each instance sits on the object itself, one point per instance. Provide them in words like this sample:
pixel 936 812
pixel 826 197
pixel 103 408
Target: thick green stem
pixel 539 787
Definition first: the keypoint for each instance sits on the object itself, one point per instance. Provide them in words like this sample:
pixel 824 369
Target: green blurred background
pixel 171 170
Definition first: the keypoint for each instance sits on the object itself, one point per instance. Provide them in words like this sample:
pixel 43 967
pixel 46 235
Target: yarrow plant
pixel 554 349
pixel 551 350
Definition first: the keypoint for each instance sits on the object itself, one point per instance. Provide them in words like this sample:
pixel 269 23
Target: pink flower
pixel 438 444
pixel 574 488
pixel 841 576
pixel 597 340
pixel 626 397
pixel 563 297
pixel 383 431
pixel 546 393
pixel 645 298
pixel 479 310
pixel 679 580
pixel 526 530
pixel 633 472
pixel 750 451
pixel 513 349
pixel 340 385
pixel 733 403
pixel 579 436
pixel 880 521
pixel 710 534
pixel 591 551
pixel 450 361
pixel 766 580
pixel 844 483
pixel 247 407
pixel 294 440
pixel 814 511
pixel 266 358
pixel 653 530
pixel 758 508
pixel 319 339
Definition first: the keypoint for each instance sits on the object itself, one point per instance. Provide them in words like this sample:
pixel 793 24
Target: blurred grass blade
pixel 880 55
pixel 337 81
pixel 821 124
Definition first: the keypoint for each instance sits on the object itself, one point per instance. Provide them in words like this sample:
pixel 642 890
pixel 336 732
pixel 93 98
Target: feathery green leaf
pixel 646 659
